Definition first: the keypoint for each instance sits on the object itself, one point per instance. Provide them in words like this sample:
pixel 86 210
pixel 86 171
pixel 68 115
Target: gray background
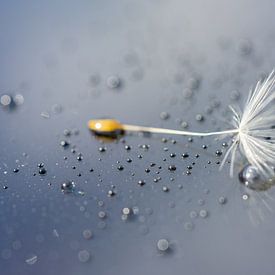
pixel 49 50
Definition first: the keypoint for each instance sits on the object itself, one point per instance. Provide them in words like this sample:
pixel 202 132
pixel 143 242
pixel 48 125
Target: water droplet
pixel 162 245
pixel 188 226
pixel 68 187
pixel 102 214
pixel 199 117
pixel 245 197
pixel 120 168
pixel 164 115
pixel 64 143
pixel 222 200
pixel 113 82
pixel 126 211
pixel 87 234
pixel 141 182
pixel 84 256
pixel 6 100
pixel 203 213
pixel 18 99
pixel 172 168
pixel 42 171
pixel 252 179
pixel 16 170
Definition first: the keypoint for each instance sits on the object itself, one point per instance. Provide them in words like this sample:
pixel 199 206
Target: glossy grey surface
pixel 181 57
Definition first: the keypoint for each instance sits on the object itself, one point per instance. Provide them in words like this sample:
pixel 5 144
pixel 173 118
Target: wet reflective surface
pixel 71 203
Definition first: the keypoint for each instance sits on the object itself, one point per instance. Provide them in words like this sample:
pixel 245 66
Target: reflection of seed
pixel 32 260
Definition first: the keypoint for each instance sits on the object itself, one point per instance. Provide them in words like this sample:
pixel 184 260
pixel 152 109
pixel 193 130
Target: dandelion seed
pixel 253 135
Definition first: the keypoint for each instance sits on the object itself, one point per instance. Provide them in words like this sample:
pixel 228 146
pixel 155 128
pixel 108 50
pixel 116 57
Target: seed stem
pixel 135 128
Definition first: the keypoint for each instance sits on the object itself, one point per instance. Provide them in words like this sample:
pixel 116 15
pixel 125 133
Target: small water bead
pixel 16 170
pixel 120 168
pixel 113 82
pixel 79 157
pixel 199 117
pixel 64 143
pixel 224 144
pixel 66 132
pixel 141 182
pixel 87 234
pixel 6 100
pixel 203 213
pixel 111 193
pixel 18 99
pixel 162 245
pixel 42 171
pixel 184 125
pixel 193 214
pixel 187 93
pixel 40 165
pixel 201 201
pixel 188 226
pixel 145 146
pixel 218 153
pixel 101 214
pixel 84 256
pixel 173 141
pixel 127 147
pixel 126 211
pixel 68 187
pixel 102 149
pixel 147 170
pixel 172 155
pixel 172 168
pixel 222 200
pixel 185 155
pixel 245 197
pixel 165 189
pixel 164 115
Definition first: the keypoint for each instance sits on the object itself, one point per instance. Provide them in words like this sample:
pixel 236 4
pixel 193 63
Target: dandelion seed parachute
pixel 253 132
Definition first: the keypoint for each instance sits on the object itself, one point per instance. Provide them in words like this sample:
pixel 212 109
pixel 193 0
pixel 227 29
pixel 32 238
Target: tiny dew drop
pixel 163 245
pixel 68 187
